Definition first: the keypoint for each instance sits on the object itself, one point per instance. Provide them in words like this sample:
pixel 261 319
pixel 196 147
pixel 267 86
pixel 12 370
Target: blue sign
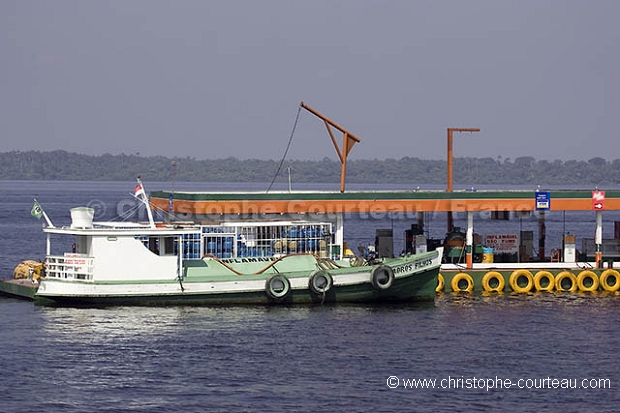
pixel 543 201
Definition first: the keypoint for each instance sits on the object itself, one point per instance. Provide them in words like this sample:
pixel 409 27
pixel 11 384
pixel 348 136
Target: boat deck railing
pixel 251 240
pixel 70 267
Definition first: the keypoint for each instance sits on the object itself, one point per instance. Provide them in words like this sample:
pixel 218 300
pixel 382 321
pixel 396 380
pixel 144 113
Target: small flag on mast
pixel 36 211
pixel 139 190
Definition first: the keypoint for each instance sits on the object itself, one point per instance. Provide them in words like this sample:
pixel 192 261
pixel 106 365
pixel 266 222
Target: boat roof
pixel 167 229
pixel 125 229
pixel 301 202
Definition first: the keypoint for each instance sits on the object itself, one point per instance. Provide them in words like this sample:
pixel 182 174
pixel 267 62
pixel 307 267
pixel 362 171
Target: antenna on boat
pixel 140 194
pixel 289 177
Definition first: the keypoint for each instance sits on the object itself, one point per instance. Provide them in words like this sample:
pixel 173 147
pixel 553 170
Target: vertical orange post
pixel 343 160
pixel 449 187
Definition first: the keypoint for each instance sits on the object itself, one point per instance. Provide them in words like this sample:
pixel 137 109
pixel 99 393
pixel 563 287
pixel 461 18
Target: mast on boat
pixel 140 194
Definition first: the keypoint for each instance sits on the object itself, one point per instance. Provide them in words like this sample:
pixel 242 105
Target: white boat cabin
pixel 110 251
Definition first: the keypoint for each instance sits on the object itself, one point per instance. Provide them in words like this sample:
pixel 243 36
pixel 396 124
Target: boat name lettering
pixel 425 263
pixel 241 260
pixel 411 266
pixel 402 268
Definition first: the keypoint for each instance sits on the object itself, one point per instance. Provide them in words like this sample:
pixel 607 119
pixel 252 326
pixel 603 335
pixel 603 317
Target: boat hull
pixel 19 288
pixel 411 289
pixel 348 285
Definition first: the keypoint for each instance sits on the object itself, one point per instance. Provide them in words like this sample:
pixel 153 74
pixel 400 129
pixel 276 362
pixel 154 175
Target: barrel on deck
pixel 488 255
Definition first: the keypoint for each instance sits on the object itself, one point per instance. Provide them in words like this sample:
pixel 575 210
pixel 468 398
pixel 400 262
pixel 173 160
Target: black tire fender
pixel 320 282
pixel 278 287
pixel 382 277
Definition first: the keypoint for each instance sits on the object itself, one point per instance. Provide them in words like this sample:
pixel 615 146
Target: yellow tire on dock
pixel 587 281
pixel 441 282
pixel 566 281
pixel 610 280
pixel 544 281
pixel 517 279
pixel 462 283
pixel 493 281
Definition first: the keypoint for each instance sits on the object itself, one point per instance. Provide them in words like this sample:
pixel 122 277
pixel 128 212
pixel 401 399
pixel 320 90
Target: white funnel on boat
pixel 82 217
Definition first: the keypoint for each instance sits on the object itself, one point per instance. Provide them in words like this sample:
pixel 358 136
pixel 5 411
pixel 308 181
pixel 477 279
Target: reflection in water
pixel 84 324
pixel 81 324
pixel 536 299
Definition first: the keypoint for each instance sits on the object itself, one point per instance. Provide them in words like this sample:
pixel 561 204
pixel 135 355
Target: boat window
pixel 81 244
pixel 154 245
pixel 162 245
pixel 168 246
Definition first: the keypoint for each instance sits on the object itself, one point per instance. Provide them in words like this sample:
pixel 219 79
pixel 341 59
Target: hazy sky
pixel 212 79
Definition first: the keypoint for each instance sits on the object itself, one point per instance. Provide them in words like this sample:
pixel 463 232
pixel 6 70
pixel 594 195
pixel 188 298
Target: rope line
pixel 286 151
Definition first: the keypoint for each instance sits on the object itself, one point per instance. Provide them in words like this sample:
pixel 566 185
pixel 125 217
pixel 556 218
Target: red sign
pixel 598 200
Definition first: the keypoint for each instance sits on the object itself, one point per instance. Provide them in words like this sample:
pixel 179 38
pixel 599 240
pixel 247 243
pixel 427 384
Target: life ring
pixel 561 279
pixel 382 277
pixel 493 281
pixel 278 287
pixel 320 282
pixel 610 280
pixel 441 282
pixel 544 281
pixel 457 286
pixel 516 279
pixel 587 281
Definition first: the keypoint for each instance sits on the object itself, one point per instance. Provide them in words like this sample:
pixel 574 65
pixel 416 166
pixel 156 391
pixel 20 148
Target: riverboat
pixel 225 263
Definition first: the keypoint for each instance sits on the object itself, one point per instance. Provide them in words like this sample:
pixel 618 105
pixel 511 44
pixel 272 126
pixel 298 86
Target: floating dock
pixel 516 277
pixel 520 278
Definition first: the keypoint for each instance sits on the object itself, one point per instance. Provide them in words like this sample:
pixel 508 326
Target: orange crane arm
pixel 348 140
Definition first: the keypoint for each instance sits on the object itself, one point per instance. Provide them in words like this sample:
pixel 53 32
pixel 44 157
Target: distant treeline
pixel 62 165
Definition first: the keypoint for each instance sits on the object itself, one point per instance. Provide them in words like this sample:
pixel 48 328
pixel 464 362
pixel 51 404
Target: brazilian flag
pixel 36 211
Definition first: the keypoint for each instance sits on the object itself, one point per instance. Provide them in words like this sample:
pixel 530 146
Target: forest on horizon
pixel 63 165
